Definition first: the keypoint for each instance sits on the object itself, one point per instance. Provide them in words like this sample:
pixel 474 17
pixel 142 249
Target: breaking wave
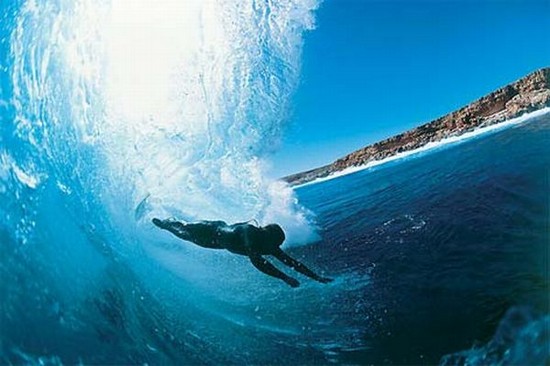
pixel 165 108
pixel 117 111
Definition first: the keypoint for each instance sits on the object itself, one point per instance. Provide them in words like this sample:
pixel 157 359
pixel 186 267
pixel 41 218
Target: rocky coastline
pixel 526 95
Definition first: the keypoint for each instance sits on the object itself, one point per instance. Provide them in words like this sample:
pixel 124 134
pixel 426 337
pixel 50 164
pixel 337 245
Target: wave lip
pixel 180 102
pixel 522 338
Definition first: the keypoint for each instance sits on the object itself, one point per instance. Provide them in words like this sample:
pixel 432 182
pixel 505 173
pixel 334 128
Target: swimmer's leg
pixel 299 267
pixel 175 227
pixel 269 269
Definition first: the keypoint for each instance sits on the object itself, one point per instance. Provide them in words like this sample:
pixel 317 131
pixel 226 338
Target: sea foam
pixel 179 102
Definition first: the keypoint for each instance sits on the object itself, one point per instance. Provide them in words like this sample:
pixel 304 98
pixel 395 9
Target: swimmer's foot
pixel 325 280
pixel 292 282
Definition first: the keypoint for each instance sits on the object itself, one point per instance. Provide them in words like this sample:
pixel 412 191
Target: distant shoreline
pixel 433 145
pixel 515 103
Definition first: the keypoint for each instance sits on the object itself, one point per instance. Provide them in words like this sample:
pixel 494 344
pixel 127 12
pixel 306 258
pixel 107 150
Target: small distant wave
pixel 434 145
pixel 522 338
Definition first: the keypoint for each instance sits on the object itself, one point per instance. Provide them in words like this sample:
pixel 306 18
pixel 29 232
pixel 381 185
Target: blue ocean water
pixel 453 240
pixel 438 257
pixel 441 257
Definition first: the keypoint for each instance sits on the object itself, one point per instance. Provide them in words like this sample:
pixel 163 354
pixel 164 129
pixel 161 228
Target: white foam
pixel 178 101
pixel 25 176
pixel 433 145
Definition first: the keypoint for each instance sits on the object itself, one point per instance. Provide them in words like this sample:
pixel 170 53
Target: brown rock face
pixel 525 95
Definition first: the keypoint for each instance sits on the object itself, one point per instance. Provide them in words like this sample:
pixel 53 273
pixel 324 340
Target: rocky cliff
pixel 525 95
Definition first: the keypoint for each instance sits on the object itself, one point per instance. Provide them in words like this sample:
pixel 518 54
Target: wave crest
pixel 179 102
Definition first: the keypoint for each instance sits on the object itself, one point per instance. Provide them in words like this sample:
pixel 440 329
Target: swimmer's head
pixel 275 234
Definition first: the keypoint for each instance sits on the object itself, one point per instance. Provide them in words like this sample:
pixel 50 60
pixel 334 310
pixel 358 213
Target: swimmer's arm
pixel 298 266
pixel 260 263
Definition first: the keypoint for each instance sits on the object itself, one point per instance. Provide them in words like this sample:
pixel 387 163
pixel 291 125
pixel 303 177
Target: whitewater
pixel 114 112
pixel 171 105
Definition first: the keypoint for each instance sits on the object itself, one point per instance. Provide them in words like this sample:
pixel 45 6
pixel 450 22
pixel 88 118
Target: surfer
pixel 243 239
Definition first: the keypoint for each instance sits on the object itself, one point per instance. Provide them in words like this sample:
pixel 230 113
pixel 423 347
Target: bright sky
pixel 372 69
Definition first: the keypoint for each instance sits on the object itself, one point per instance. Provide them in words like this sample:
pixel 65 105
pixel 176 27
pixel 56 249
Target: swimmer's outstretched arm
pixel 300 267
pixel 269 269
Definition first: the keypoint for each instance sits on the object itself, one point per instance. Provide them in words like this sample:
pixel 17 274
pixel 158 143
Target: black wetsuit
pixel 242 239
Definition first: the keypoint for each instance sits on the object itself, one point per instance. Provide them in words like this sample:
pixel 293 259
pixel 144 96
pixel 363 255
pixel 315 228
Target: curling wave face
pixel 172 105
pixel 118 111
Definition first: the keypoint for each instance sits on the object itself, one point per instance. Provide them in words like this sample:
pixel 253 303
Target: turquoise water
pixel 429 254
pixel 439 257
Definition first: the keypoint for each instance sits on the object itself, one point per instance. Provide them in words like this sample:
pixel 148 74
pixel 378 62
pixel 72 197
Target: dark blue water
pixel 452 241
pixel 440 257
